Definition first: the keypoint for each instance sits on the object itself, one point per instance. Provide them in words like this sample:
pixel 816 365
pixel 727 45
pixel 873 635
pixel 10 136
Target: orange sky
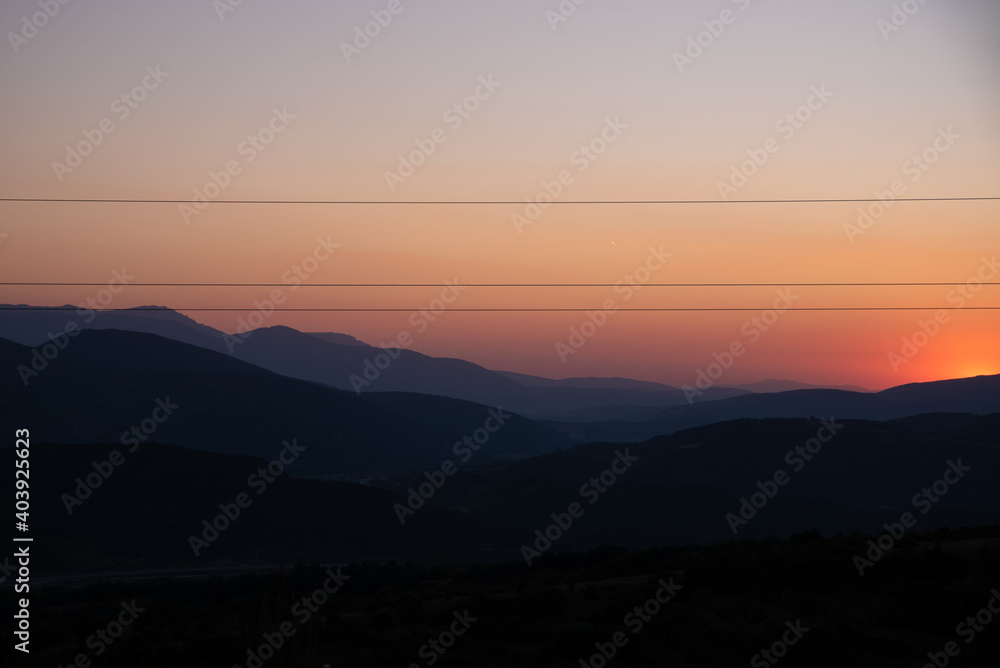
pixel 891 98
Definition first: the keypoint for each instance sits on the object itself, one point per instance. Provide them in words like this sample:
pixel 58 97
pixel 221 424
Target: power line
pixel 497 202
pixel 489 285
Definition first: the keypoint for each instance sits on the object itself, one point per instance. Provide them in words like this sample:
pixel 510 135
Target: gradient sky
pixel 686 131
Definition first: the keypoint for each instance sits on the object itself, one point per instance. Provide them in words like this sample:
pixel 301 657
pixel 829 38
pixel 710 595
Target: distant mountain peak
pixel 773 385
pixel 344 339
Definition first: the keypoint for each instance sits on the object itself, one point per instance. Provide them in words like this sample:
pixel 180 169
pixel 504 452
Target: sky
pixel 631 100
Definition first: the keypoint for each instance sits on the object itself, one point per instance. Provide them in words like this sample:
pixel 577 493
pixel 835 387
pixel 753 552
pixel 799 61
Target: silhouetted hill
pixel 720 392
pixel 356 367
pixel 772 385
pixel 344 362
pixel 972 395
pixel 626 384
pixel 143 515
pixel 34 326
pixel 679 490
pixel 105 382
pixel 980 395
pixel 344 339
pixel 682 486
pixel 594 408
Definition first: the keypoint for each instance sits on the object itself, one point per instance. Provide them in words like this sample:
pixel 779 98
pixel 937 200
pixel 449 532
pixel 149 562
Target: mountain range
pixel 581 409
pixel 193 421
pixel 344 362
pixel 106 382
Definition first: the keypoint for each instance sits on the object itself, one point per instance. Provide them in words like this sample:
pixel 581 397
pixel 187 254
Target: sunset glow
pixel 769 111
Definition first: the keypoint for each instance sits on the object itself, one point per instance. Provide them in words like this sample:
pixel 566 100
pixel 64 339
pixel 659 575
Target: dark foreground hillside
pixel 165 506
pixel 719 606
pixel 108 382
